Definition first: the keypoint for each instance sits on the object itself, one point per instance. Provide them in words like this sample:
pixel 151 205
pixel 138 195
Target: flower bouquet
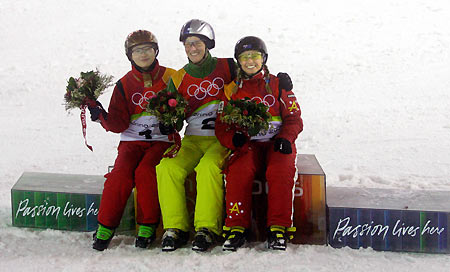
pixel 170 108
pixel 83 91
pixel 88 87
pixel 246 114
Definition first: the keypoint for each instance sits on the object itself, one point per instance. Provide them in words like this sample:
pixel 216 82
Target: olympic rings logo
pixel 268 100
pixel 139 100
pixel 206 87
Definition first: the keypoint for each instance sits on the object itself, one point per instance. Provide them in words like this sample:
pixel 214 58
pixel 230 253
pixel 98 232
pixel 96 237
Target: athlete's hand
pixel 239 139
pixel 285 81
pixel 95 109
pixel 282 145
pixel 166 130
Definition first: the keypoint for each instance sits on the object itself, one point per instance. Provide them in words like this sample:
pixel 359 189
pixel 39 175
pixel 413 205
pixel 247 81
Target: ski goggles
pixel 247 56
pixel 142 50
pixel 196 44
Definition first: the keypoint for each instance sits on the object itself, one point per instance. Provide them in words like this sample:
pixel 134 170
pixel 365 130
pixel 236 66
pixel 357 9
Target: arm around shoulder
pixel 291 116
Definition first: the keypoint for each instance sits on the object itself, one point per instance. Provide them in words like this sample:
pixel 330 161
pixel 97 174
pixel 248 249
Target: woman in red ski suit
pixel 272 151
pixel 142 143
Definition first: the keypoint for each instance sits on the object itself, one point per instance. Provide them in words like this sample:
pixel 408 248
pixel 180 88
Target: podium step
pixel 62 201
pixel 389 219
pixel 71 202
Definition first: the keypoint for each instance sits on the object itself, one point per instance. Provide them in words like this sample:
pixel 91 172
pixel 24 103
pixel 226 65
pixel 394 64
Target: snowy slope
pixel 371 76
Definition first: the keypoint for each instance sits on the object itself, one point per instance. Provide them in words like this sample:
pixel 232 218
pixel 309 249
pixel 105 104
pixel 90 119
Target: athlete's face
pixel 143 55
pixel 195 49
pixel 251 61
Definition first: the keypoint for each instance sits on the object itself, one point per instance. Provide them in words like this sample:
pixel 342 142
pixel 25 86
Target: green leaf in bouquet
pixel 246 114
pixel 90 85
pixel 179 124
pixel 253 131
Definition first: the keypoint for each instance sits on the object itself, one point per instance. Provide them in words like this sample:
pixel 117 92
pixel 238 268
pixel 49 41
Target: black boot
pixel 173 239
pixel 277 238
pixel 102 238
pixel 203 240
pixel 146 235
pixel 235 238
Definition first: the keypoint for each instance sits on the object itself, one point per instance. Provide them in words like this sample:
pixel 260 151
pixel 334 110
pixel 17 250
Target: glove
pixel 239 139
pixel 282 145
pixel 95 110
pixel 285 81
pixel 166 130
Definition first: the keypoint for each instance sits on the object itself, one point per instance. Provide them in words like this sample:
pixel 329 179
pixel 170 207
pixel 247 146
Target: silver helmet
pixel 201 29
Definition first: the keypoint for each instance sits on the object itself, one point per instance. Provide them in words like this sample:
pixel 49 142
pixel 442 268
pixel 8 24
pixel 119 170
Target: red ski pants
pixel 134 167
pixel 280 171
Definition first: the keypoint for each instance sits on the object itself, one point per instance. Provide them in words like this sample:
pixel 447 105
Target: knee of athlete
pixel 163 166
pixel 280 182
pixel 280 171
pixel 208 166
pixel 210 182
pixel 168 166
pixel 119 184
pixel 122 172
pixel 145 171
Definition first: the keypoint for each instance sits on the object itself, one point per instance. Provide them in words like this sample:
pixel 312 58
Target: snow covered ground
pixel 372 78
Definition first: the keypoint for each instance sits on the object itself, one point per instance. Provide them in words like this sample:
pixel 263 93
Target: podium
pixel 62 201
pixel 388 219
pixel 71 202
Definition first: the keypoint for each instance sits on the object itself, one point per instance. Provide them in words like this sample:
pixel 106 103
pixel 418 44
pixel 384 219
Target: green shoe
pixel 146 235
pixel 102 238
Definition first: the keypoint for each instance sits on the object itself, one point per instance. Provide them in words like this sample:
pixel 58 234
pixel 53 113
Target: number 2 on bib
pixel 209 123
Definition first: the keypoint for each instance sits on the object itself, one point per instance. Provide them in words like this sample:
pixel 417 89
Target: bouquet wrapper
pixel 176 147
pixel 234 155
pixel 87 103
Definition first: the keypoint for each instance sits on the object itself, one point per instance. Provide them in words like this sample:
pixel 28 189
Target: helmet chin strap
pixel 247 76
pixel 142 70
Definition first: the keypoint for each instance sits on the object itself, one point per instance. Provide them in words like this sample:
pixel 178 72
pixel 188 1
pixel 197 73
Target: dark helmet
pixel 201 29
pixel 250 43
pixel 139 37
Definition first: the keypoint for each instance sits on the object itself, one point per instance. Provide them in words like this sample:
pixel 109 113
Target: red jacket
pixel 286 118
pixel 126 112
pixel 204 93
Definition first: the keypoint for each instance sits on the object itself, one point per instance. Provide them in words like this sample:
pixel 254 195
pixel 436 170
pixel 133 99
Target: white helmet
pixel 201 29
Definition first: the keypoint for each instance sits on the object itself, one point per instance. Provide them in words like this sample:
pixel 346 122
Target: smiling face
pixel 251 61
pixel 195 49
pixel 143 55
